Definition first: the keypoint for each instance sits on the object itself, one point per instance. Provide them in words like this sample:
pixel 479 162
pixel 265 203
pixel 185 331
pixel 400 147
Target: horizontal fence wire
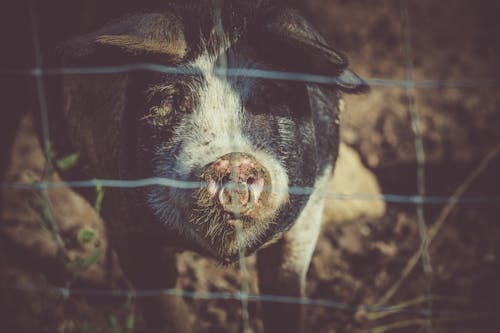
pixel 249 72
pixel 294 190
pixel 67 292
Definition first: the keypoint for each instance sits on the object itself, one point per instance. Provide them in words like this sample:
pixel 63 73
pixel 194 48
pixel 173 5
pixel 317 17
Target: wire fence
pixel 420 199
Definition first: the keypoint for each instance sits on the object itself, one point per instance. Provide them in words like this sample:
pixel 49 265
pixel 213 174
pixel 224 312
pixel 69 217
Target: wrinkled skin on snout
pixel 248 157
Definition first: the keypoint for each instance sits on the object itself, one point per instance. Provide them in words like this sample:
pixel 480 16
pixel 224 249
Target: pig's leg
pixel 282 267
pixel 150 268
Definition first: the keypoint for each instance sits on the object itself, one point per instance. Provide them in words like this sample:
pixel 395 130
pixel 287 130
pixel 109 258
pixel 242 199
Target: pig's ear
pixel 350 82
pixel 153 35
pixel 286 38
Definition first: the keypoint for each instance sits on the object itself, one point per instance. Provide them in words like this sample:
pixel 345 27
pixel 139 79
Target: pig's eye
pixel 159 105
pixel 168 100
pixel 158 115
pixel 272 95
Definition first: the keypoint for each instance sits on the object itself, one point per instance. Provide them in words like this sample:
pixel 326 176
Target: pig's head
pixel 241 140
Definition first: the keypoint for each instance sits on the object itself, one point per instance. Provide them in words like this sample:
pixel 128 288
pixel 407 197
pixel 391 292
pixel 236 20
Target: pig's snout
pixel 236 181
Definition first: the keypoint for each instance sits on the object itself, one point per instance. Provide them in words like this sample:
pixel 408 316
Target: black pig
pixel 245 140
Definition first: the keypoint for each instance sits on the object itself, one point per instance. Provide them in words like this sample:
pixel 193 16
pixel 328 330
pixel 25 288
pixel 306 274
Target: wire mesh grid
pixel 420 199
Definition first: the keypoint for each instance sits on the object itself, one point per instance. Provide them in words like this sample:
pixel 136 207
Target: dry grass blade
pixel 404 324
pixel 405 305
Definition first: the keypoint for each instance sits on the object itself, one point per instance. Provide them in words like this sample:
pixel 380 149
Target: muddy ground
pixel 356 262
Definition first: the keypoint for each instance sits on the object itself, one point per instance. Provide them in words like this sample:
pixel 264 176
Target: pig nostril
pixel 236 198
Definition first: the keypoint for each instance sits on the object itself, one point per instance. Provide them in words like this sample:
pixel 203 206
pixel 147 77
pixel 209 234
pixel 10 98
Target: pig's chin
pixel 223 232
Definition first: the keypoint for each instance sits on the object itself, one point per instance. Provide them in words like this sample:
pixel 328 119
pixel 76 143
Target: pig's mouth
pixel 232 211
pixel 226 231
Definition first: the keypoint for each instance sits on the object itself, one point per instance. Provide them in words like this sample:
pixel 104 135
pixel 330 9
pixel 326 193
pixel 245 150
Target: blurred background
pixel 434 68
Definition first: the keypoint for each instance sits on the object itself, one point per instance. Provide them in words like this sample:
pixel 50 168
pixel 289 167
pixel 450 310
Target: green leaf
pixel 85 236
pixel 99 190
pixel 67 162
pixel 49 155
pixel 31 176
pixel 80 264
pixel 115 327
pixel 49 152
pixel 130 323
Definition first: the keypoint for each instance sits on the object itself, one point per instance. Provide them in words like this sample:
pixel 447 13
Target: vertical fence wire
pixel 420 157
pixel 44 123
pixel 234 177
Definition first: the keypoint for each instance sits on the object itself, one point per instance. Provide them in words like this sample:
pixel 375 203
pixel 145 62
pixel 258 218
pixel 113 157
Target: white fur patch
pixel 302 237
pixel 217 123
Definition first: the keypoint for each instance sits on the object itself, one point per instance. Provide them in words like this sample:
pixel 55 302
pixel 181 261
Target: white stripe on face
pixel 216 127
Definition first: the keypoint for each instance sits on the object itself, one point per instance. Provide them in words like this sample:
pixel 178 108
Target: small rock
pixel 359 186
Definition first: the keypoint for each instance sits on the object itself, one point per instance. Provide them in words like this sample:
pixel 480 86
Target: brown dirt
pixel 355 262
